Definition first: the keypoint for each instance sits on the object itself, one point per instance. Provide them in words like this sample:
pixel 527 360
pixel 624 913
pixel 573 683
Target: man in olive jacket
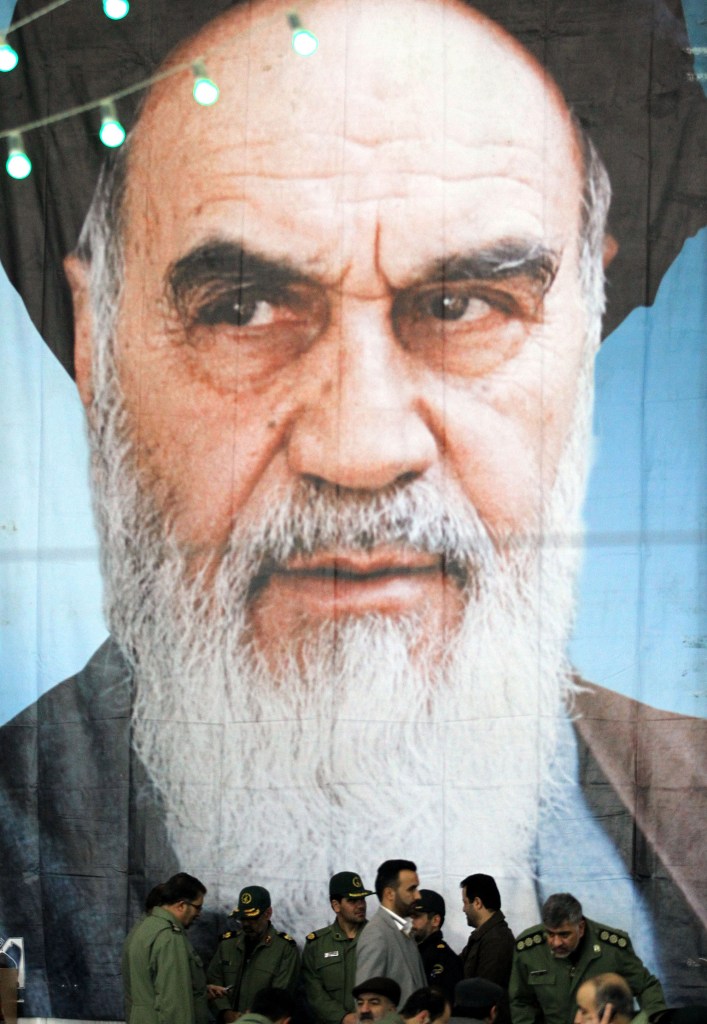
pixel 254 958
pixel 553 959
pixel 163 978
pixel 329 958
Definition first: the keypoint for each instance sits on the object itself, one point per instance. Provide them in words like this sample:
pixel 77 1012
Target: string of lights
pixel 113 9
pixel 111 132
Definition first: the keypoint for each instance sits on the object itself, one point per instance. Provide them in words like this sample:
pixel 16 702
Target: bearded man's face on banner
pixel 336 353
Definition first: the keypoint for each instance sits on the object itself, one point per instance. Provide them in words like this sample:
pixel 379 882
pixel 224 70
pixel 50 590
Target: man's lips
pixel 386 579
pixel 361 567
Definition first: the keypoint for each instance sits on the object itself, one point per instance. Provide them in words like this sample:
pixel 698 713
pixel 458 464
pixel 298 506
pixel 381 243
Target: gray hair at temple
pixel 100 241
pixel 561 907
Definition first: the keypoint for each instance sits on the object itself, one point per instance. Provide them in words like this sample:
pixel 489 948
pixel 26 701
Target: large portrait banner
pixel 353 463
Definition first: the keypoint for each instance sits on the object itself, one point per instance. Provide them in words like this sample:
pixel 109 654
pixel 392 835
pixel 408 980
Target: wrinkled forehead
pixel 383 72
pixel 398 99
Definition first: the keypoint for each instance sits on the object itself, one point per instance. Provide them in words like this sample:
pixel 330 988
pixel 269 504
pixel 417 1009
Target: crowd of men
pixel 396 967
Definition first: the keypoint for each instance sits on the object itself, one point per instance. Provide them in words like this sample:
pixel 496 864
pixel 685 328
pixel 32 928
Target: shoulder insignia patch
pixel 284 935
pixel 441 945
pixel 531 940
pixel 312 935
pixel 227 935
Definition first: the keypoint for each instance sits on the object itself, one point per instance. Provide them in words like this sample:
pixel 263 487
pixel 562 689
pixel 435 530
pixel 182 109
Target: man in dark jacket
pixel 489 951
pixel 442 965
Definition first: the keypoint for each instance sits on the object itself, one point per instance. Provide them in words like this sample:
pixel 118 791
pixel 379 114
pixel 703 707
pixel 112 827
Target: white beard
pixel 367 752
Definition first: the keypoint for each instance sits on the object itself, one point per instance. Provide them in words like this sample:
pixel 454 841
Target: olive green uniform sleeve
pixel 172 979
pixel 288 969
pixel 225 969
pixel 525 1008
pixel 328 973
pixel 157 970
pixel 644 985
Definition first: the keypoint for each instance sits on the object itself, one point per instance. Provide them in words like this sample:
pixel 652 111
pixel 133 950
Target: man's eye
pixel 241 310
pixel 448 306
pixel 467 327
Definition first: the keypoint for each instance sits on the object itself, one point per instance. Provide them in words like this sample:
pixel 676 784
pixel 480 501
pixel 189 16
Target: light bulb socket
pixel 205 90
pixel 111 132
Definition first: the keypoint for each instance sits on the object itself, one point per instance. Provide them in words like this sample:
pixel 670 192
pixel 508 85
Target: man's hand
pixel 349 1018
pixel 607 1014
pixel 214 991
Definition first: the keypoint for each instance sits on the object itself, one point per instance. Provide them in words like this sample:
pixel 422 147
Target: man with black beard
pixel 336 357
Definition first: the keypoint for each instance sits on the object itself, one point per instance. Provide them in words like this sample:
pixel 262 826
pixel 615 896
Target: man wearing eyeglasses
pixel 163 977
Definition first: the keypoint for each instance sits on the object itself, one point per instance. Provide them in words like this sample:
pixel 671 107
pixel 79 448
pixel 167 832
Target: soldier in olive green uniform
pixel 163 978
pixel 254 958
pixel 329 958
pixel 553 959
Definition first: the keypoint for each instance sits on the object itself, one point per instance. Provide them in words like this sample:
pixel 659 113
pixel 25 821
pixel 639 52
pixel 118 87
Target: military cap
pixel 252 901
pixel 347 883
pixel 430 902
pixel 379 987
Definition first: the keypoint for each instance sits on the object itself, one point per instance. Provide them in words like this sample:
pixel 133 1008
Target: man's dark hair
pixel 561 907
pixel 179 887
pixel 610 990
pixel 474 1012
pixel 431 999
pixel 388 872
pixel 475 998
pixel 273 1003
pixel 483 886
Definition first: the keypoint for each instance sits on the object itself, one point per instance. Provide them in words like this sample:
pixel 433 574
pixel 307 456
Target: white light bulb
pixel 205 92
pixel 8 57
pixel 115 9
pixel 112 133
pixel 304 43
pixel 18 164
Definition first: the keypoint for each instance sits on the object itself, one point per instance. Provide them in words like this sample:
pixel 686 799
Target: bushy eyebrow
pixel 230 262
pixel 225 261
pixel 505 259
